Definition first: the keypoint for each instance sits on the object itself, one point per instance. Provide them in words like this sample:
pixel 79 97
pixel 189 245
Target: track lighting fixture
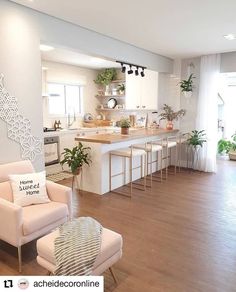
pixel 123 68
pixel 130 71
pixel 142 73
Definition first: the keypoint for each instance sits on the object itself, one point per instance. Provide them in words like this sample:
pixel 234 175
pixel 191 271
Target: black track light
pixel 123 68
pixel 142 73
pixel 130 70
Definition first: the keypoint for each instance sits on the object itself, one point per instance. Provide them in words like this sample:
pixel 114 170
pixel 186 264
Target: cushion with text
pixel 29 189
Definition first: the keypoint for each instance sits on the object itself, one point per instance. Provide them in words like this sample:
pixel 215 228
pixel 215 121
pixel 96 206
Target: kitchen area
pixel 77 106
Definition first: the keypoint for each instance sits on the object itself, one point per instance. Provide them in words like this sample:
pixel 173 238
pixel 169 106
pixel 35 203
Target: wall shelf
pixel 112 95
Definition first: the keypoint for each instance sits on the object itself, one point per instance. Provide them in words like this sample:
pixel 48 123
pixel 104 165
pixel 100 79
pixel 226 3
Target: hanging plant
pixel 187 85
pixel 106 76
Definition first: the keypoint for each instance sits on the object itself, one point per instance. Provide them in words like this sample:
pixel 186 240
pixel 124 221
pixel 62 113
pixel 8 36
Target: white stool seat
pixel 149 147
pixel 170 144
pixel 126 152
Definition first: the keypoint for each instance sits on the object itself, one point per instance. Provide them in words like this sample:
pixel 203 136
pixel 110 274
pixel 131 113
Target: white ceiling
pixel 173 28
pixel 77 59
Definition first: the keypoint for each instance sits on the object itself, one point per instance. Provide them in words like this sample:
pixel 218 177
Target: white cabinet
pixel 67 141
pixel 142 92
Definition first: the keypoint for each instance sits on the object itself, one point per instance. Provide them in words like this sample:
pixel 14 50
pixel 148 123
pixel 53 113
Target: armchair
pixel 25 224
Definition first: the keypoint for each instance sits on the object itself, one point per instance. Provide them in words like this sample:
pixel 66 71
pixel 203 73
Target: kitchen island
pixel 96 177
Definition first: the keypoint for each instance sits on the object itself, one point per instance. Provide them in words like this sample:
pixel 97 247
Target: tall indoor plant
pixel 76 157
pixel 195 141
pixel 228 147
pixel 170 115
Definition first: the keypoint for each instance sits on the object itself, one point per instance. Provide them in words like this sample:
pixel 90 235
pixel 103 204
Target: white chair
pixel 129 153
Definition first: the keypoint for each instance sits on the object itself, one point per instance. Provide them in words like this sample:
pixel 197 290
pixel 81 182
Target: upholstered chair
pixel 19 225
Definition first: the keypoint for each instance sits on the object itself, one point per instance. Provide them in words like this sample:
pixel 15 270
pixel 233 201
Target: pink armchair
pixel 19 225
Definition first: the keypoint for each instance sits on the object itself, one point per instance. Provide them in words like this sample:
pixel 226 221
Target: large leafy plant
pixel 227 145
pixel 76 157
pixel 187 85
pixel 197 138
pixel 106 76
pixel 170 115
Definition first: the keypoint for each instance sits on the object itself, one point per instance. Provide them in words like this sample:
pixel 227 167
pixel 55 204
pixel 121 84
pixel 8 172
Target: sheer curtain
pixel 207 110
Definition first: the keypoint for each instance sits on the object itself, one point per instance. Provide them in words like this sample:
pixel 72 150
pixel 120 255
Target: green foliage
pixel 169 115
pixel 187 85
pixel 125 123
pixel 225 146
pixel 197 138
pixel 106 76
pixel 121 87
pixel 76 157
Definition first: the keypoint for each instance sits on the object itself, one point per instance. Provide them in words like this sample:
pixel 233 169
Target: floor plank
pixel 178 236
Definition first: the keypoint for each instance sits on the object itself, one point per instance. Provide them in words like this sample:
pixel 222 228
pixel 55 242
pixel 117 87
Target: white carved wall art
pixel 18 127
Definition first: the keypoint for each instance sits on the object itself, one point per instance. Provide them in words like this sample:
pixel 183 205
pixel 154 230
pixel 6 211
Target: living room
pixel 175 233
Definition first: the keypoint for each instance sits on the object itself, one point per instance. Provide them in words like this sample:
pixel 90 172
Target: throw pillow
pixel 29 189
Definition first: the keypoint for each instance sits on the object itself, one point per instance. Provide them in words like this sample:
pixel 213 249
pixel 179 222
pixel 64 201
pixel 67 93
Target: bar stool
pixel 168 144
pixel 150 148
pixel 129 153
pixel 182 142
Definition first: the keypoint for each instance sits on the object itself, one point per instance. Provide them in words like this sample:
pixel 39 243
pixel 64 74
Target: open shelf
pixel 118 95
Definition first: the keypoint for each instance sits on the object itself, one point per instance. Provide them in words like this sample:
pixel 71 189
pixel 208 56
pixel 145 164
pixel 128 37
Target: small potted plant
pixel 76 157
pixel 186 86
pixel 124 125
pixel 228 147
pixel 121 88
pixel 105 78
pixel 197 138
pixel 170 115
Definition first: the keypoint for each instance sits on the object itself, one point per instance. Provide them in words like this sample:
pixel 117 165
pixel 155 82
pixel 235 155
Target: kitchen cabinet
pixel 142 92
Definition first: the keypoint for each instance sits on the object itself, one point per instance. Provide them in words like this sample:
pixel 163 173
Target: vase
pixel 124 131
pixel 188 94
pixel 107 90
pixel 169 125
pixel 77 171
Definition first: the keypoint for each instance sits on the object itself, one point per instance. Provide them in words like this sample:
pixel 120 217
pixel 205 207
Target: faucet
pixel 69 122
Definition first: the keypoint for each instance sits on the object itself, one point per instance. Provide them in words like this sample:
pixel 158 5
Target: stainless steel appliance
pixel 51 150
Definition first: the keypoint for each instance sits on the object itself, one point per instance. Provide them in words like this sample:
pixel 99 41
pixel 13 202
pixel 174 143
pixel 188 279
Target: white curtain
pixel 207 110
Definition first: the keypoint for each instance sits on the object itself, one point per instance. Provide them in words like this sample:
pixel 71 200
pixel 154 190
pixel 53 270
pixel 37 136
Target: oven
pixel 51 150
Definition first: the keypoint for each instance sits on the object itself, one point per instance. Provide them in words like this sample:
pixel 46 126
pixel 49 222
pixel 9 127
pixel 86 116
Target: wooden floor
pixel 179 236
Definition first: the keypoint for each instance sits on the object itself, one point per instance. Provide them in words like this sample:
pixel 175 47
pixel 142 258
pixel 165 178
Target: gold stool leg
pixel 19 259
pixel 113 275
pixel 110 172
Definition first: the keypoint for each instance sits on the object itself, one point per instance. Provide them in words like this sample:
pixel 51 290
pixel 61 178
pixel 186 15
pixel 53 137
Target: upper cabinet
pixel 142 92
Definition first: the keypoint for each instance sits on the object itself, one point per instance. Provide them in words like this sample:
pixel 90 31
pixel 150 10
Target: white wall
pixel 63 73
pixel 20 63
pixel 21 30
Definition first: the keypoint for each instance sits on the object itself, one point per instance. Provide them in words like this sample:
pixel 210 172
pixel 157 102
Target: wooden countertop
pixel 117 137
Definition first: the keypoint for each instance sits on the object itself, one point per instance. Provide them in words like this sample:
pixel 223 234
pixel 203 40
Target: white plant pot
pixel 232 155
pixel 188 94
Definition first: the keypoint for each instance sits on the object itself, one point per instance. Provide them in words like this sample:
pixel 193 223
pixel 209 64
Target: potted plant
pixel 121 88
pixel 125 125
pixel 186 86
pixel 76 157
pixel 105 77
pixel 170 115
pixel 197 138
pixel 228 147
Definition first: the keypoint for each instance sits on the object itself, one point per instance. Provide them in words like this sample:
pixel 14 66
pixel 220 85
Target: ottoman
pixel 110 253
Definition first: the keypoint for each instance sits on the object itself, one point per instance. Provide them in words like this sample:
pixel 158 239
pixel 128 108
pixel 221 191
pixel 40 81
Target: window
pixel 64 99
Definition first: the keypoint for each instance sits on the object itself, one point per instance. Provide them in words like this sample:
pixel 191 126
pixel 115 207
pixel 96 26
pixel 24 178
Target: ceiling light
pixel 142 73
pixel 229 37
pixel 130 70
pixel 123 68
pixel 46 48
pixel 136 71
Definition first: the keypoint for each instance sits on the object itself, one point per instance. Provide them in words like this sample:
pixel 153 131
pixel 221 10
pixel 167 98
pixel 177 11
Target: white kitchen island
pixel 95 178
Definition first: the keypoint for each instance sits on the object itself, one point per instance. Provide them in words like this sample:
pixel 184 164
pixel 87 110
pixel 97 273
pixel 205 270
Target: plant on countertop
pixel 125 123
pixel 197 138
pixel 106 76
pixel 187 85
pixel 169 115
pixel 227 146
pixel 76 157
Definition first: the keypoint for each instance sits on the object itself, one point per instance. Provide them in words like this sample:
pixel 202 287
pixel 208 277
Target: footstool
pixel 110 253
